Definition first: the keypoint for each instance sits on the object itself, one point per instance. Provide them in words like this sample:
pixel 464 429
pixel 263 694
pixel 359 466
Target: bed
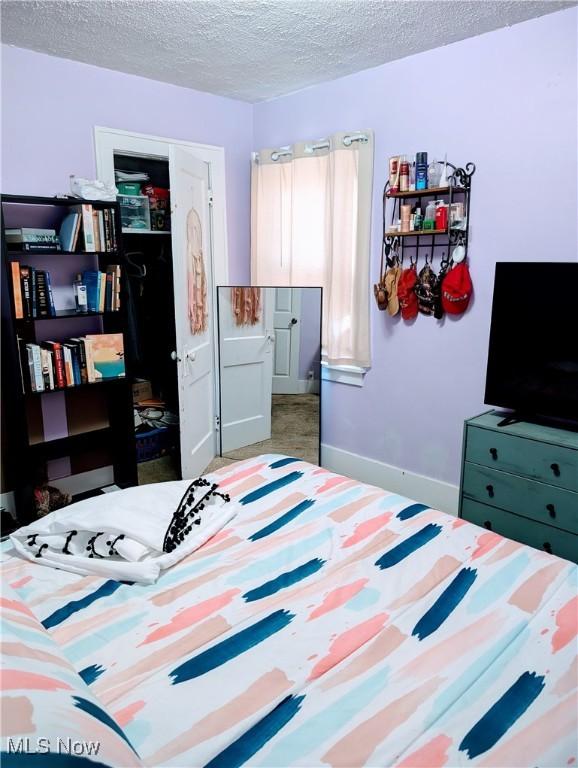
pixel 330 623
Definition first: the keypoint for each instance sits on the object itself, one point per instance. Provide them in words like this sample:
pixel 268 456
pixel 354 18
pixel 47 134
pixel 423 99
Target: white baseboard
pixel 308 386
pixel 426 490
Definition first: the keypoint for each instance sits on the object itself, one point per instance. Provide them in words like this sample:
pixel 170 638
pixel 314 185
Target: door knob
pixel 192 356
pixel 175 357
pixel 294 321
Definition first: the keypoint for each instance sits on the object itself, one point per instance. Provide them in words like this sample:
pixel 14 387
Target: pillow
pixel 129 535
pixel 45 705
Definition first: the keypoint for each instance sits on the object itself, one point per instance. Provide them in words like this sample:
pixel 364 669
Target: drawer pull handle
pixel 547 547
pixel 490 490
pixel 488 525
pixel 555 469
pixel 494 453
pixel 551 510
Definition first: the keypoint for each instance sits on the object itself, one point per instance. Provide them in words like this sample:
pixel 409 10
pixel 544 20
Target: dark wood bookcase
pixel 25 454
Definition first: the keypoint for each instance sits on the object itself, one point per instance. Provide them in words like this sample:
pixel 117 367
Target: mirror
pixel 270 371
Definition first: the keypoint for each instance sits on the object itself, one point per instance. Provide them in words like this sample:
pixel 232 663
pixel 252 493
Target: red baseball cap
pixel 457 289
pixel 406 293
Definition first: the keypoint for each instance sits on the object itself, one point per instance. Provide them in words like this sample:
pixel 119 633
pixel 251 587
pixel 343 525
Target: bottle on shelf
pixel 441 215
pixel 434 173
pixel 80 296
pixel 404 174
pixel 430 216
pixel 421 180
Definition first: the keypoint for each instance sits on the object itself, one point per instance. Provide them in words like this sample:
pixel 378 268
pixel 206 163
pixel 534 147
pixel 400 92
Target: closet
pixel 143 184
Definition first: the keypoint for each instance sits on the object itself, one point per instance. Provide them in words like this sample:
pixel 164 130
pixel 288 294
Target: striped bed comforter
pixel 331 624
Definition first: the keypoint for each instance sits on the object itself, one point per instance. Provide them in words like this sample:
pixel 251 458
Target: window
pixel 311 214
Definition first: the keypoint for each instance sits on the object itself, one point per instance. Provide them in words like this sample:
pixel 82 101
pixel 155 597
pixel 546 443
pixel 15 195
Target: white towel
pixel 129 535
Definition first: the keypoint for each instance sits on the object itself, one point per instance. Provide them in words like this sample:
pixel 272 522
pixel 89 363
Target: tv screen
pixel 533 351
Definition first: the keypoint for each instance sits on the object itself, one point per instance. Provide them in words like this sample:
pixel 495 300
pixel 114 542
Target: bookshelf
pixel 87 425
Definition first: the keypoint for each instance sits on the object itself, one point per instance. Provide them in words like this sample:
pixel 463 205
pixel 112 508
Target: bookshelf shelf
pixel 76 387
pixel 68 314
pixel 28 417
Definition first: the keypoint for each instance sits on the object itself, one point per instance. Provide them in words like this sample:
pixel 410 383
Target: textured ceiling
pixel 251 49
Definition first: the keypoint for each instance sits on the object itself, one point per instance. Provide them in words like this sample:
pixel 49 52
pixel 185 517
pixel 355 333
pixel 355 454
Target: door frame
pixel 214 156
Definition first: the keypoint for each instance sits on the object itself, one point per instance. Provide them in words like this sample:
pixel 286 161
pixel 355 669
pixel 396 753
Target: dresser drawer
pixel 522 529
pixel 529 498
pixel 548 463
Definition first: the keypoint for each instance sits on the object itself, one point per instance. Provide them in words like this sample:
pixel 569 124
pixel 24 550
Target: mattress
pixel 331 623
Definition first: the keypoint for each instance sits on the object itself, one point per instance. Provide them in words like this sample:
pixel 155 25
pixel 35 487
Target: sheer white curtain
pixel 310 226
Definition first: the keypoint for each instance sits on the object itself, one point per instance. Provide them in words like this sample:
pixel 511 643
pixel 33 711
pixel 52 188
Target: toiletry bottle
pixel 394 175
pixel 80 297
pixel 412 176
pixel 405 217
pixel 418 219
pixel 430 215
pixel 403 175
pixel 441 215
pixel 433 174
pixel 421 170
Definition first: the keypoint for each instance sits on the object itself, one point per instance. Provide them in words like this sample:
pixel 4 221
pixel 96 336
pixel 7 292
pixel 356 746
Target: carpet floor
pixel 294 432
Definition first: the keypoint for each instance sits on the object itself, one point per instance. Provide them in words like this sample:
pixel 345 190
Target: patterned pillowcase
pixel 46 707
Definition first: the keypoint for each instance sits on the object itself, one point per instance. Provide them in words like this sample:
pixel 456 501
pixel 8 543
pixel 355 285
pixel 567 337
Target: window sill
pixel 343 374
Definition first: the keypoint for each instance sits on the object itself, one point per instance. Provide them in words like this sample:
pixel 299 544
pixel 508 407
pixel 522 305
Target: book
pixel 58 362
pixel 33 298
pixel 108 305
pixel 108 355
pixel 91 280
pixel 101 230
pixel 102 292
pixel 90 370
pixel 35 368
pixel 69 231
pixel 42 302
pixel 68 372
pixel 80 345
pixel 17 290
pixel 85 211
pixel 44 360
pixel 96 230
pixel 38 247
pixel 50 296
pixel 50 365
pixel 25 281
pixel 72 348
pixel 31 235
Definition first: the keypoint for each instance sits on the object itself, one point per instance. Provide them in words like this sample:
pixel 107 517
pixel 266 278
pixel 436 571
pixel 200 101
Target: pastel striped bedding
pixel 330 624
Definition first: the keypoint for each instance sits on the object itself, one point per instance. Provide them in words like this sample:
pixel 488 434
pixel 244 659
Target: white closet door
pixel 287 318
pixel 195 352
pixel 246 366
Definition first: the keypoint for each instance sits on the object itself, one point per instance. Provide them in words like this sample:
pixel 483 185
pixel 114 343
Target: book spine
pixel 113 229
pixel 90 372
pixel 102 295
pixel 37 247
pixel 25 279
pixel 33 298
pixel 101 231
pixel 117 287
pixel 75 359
pixel 60 373
pixel 17 290
pixel 68 372
pixel 82 360
pixel 31 373
pixel 96 230
pixel 50 362
pixel 88 228
pixel 36 369
pixel 45 373
pixel 52 310
pixel 42 305
pixel 108 306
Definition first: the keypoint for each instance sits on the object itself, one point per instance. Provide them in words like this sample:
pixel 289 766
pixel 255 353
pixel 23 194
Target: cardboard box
pixel 141 390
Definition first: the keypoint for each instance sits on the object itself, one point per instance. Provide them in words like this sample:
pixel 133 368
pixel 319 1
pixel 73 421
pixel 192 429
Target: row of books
pixel 88 359
pixel 102 289
pixel 33 239
pixel 32 292
pixel 89 230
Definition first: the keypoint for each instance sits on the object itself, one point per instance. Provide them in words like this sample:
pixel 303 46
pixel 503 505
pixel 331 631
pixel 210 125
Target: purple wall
pixel 50 108
pixel 309 350
pixel 506 100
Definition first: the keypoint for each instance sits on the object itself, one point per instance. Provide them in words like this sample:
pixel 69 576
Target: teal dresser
pixel 521 481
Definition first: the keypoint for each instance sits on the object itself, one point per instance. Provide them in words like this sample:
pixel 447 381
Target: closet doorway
pixel 173 226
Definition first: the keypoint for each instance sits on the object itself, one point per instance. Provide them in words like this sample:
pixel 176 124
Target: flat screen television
pixel 533 350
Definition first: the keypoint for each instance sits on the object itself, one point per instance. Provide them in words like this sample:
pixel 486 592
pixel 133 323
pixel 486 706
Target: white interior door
pixel 246 367
pixel 190 225
pixel 286 322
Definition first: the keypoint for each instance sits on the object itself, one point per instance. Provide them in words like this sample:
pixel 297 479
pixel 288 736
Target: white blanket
pixel 129 535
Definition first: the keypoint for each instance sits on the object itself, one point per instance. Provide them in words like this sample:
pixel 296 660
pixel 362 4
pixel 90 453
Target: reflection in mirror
pixel 270 370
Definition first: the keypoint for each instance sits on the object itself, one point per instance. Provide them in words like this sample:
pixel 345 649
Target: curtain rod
pixel 310 148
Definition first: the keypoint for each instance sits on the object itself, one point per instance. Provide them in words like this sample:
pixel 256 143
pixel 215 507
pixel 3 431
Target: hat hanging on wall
pixel 457 289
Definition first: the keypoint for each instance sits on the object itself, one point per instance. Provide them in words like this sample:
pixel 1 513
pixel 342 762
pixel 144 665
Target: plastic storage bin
pixel 129 187
pixel 154 443
pixel 134 212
